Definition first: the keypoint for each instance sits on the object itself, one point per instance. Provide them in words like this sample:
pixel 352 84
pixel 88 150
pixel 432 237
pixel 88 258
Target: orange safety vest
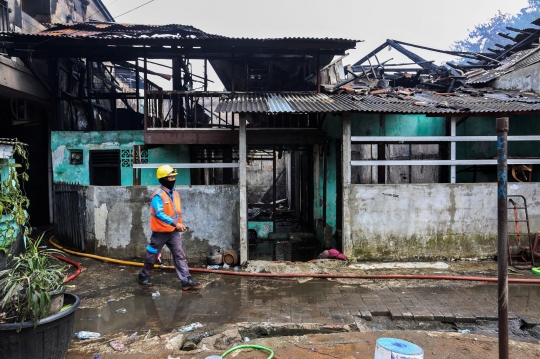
pixel 172 209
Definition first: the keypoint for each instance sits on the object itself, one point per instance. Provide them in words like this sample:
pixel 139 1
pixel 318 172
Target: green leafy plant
pixel 13 201
pixel 26 286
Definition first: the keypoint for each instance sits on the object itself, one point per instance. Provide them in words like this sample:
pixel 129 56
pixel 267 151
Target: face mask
pixel 167 184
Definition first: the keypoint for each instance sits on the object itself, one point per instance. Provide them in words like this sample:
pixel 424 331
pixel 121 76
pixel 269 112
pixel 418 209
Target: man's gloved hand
pixel 180 227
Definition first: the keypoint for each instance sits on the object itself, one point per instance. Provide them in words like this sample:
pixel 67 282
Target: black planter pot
pixel 50 339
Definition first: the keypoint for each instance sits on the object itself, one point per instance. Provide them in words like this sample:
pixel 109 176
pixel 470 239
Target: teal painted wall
pixel 262 228
pixel 485 126
pixel 365 125
pixel 63 142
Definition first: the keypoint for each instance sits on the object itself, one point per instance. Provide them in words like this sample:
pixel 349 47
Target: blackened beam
pixel 131 54
pixel 522 31
pixel 177 43
pixel 365 58
pixel 530 38
pixel 399 69
pixel 419 60
pixel 32 69
pixel 469 55
pixel 468 67
pixel 102 96
pixel 506 36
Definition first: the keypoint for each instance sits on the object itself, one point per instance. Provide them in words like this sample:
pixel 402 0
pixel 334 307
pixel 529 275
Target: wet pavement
pixel 226 299
pixel 106 289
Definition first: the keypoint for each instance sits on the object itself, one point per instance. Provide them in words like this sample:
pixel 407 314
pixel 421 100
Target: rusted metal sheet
pixel 230 137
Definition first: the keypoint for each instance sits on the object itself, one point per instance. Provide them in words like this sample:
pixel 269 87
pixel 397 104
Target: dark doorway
pixel 105 168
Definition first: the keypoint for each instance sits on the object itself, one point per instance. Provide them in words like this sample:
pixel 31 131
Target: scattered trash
pixel 332 254
pixel 226 266
pixel 313 349
pixel 71 286
pixel 155 294
pixel 147 334
pixel 204 347
pixel 464 331
pixel 110 300
pixel 132 338
pixel 246 339
pixel 170 357
pixel 117 345
pixel 121 310
pixel 188 328
pixel 236 269
pixel 96 356
pixel 87 335
pixel 214 267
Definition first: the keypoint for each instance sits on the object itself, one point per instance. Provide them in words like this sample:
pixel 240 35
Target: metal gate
pixel 70 215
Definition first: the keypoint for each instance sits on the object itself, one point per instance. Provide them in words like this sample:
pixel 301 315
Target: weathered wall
pixel 63 142
pixel 409 221
pixel 524 79
pixel 118 219
pixel 260 177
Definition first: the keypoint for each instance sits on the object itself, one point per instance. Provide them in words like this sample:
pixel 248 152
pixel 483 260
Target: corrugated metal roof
pixel 518 60
pixel 100 30
pixel 282 103
pixel 420 103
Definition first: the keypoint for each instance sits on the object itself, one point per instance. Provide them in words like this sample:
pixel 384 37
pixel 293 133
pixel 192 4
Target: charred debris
pixel 470 76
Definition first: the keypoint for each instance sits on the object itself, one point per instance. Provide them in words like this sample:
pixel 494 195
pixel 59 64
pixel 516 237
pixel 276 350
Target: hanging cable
pixel 127 12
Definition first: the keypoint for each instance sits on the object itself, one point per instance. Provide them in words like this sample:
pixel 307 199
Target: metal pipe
pixel 502 235
pixel 274 197
pixel 145 89
pixel 523 161
pixel 427 139
pixel 453 122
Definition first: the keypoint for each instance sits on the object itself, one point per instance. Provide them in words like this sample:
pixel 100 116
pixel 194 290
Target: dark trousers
pixel 172 240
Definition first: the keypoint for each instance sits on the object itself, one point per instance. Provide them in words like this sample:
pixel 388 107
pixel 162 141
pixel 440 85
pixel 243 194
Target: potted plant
pixel 32 282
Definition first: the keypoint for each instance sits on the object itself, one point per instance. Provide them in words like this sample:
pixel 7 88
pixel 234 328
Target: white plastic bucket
pixel 391 348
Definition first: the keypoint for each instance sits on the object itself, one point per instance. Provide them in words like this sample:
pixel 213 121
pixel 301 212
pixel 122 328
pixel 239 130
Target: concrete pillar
pixel 346 180
pixel 242 182
pixel 453 121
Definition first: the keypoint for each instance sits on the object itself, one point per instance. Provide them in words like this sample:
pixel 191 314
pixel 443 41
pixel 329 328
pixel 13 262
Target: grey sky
pixel 432 23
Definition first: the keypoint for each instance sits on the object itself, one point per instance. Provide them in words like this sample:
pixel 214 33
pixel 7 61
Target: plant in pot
pixel 32 282
pixel 32 288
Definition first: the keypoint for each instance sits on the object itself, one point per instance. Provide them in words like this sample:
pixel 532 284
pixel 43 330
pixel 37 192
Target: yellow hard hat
pixel 165 171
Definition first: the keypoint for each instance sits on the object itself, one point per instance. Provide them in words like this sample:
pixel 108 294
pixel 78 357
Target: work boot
pixel 190 284
pixel 145 281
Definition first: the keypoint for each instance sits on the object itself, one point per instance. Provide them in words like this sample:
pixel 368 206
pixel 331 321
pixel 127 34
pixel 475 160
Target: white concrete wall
pixel 525 79
pixel 117 219
pixel 422 221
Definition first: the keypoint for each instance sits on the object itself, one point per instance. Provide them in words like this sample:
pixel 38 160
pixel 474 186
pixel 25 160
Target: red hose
pixel 72 262
pixel 311 275
pixel 67 260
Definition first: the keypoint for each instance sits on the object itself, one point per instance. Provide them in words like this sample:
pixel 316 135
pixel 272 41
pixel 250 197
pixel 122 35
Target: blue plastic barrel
pixel 392 348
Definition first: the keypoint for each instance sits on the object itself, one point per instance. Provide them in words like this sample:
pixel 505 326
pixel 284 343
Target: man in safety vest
pixel 166 225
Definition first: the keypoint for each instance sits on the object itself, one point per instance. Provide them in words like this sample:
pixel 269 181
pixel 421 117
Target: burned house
pixel 381 160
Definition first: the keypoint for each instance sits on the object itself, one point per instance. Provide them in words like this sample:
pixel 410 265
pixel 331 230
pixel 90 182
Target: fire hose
pixel 308 275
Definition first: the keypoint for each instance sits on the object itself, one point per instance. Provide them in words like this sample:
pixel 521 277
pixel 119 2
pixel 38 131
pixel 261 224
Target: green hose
pixel 249 347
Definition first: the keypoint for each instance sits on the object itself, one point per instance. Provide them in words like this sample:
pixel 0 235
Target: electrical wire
pixel 127 12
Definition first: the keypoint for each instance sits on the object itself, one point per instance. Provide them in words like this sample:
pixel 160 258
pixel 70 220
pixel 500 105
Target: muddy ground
pixel 232 310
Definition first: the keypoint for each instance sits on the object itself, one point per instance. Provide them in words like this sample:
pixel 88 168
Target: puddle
pixel 227 299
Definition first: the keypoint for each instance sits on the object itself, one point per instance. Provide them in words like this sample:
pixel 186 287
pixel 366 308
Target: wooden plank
pixel 242 182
